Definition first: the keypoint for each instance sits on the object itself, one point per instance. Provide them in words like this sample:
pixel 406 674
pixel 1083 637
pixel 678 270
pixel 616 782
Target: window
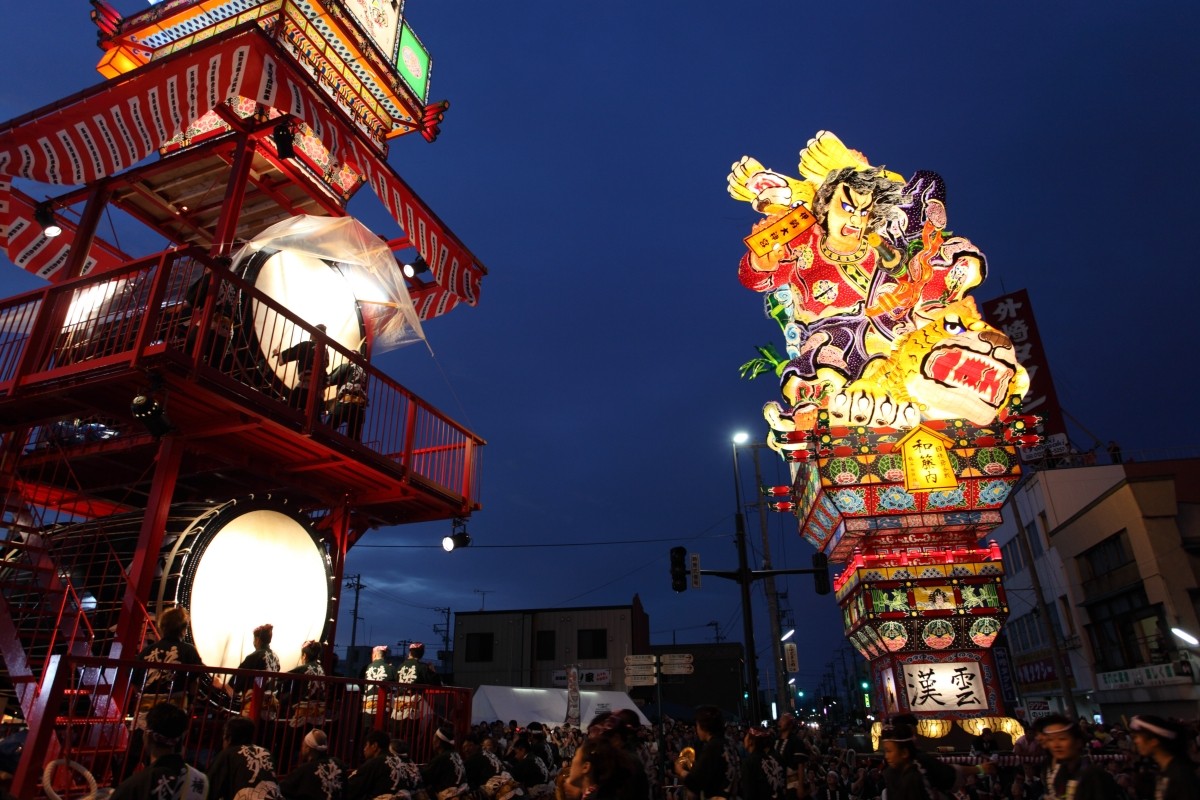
pixel 593 643
pixel 1108 567
pixel 543 646
pixel 1011 555
pixel 1126 631
pixel 479 647
pixel 1035 539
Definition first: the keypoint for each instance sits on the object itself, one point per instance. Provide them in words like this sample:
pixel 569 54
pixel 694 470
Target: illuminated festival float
pixel 206 426
pixel 900 416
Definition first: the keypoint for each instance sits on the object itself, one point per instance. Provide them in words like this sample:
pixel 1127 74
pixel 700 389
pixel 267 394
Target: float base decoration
pixel 856 490
pixel 926 621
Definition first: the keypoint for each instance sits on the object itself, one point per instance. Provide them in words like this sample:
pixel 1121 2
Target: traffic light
pixel 679 570
pixel 820 563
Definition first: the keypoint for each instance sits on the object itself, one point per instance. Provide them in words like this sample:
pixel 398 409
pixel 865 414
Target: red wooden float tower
pixel 138 401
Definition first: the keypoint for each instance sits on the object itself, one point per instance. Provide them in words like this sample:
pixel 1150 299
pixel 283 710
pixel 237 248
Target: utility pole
pixel 1052 636
pixel 355 582
pixel 744 578
pixel 483 593
pixel 716 626
pixel 444 630
pixel 781 686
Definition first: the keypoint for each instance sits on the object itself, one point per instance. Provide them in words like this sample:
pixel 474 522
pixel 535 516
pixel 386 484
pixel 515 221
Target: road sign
pixel 640 680
pixel 640 669
pixel 677 658
pixel 695 558
pixel 640 660
pixel 677 669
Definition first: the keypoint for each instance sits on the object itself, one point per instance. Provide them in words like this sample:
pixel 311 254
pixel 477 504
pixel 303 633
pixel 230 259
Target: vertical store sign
pixel 1013 314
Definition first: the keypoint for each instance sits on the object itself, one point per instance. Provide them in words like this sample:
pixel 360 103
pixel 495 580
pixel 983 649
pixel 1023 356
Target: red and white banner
pixel 117 124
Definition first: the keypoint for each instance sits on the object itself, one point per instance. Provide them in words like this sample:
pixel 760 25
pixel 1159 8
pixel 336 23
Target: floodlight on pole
pixel 43 214
pixel 1180 633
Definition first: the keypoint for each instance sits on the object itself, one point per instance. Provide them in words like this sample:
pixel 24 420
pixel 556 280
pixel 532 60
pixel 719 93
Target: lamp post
pixel 744 578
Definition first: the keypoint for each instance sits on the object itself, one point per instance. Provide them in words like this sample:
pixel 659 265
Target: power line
pixel 476 546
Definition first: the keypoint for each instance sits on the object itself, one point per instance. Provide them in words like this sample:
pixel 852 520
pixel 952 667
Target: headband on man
pixel 1156 727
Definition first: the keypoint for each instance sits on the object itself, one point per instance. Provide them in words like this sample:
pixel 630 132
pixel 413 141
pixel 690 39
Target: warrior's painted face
pixel 846 219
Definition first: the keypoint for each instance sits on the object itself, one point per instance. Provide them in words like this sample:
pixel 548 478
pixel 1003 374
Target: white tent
pixel 547 706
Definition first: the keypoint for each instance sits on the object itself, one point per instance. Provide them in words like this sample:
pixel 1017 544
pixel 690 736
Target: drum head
pixel 251 567
pixel 311 288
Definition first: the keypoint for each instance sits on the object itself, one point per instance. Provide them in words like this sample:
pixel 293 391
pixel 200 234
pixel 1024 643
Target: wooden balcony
pixel 73 357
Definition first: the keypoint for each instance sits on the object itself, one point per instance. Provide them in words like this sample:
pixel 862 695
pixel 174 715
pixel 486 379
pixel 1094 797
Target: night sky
pixel 583 161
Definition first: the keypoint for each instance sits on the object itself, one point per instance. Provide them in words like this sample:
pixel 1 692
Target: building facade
pixel 1116 553
pixel 534 647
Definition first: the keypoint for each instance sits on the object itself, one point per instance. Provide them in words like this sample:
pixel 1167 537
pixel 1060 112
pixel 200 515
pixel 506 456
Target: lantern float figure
pixel 901 411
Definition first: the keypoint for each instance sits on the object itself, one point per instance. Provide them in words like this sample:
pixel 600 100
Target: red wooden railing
pixel 93 705
pixel 120 319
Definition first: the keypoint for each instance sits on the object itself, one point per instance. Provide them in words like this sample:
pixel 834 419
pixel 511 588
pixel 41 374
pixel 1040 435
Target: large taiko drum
pixel 234 566
pixel 314 289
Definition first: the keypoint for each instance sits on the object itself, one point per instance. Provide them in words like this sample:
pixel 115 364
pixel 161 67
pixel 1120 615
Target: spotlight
pixel 458 535
pixel 284 139
pixel 43 214
pixel 415 268
pixel 150 413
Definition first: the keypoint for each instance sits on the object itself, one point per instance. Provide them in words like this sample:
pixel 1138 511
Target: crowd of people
pixel 617 758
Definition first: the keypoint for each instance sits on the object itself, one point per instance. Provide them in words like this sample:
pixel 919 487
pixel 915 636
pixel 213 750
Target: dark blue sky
pixel 583 160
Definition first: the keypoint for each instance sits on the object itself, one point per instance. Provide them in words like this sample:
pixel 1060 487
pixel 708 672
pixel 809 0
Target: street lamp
pixel 787 635
pixel 744 583
pixel 1180 633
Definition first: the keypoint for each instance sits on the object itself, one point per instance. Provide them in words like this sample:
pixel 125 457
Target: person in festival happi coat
pixel 1071 774
pixel 168 776
pixel 386 771
pixel 164 685
pixel 486 773
pixel 262 658
pixel 529 769
pixel 242 765
pixel 380 669
pixel 763 777
pixel 715 771
pixel 414 670
pixel 320 776
pixel 445 776
pixel 1167 744
pixel 791 753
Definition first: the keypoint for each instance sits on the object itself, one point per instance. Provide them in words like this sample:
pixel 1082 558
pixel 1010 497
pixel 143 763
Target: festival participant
pixel 263 658
pixel 763 777
pixel 1166 743
pixel 414 670
pixel 904 777
pixel 620 728
pixel 1071 775
pixel 445 776
pixel 379 669
pixel 168 775
pixel 242 765
pixel 529 769
pixel 350 405
pixel 486 773
pixel 310 370
pixel 320 776
pixel 163 685
pixel 600 771
pixel 715 772
pixel 541 747
pixel 308 697
pixel 386 770
pixel 791 753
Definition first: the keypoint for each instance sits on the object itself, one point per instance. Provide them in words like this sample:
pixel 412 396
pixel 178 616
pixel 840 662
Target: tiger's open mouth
pixel 959 368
